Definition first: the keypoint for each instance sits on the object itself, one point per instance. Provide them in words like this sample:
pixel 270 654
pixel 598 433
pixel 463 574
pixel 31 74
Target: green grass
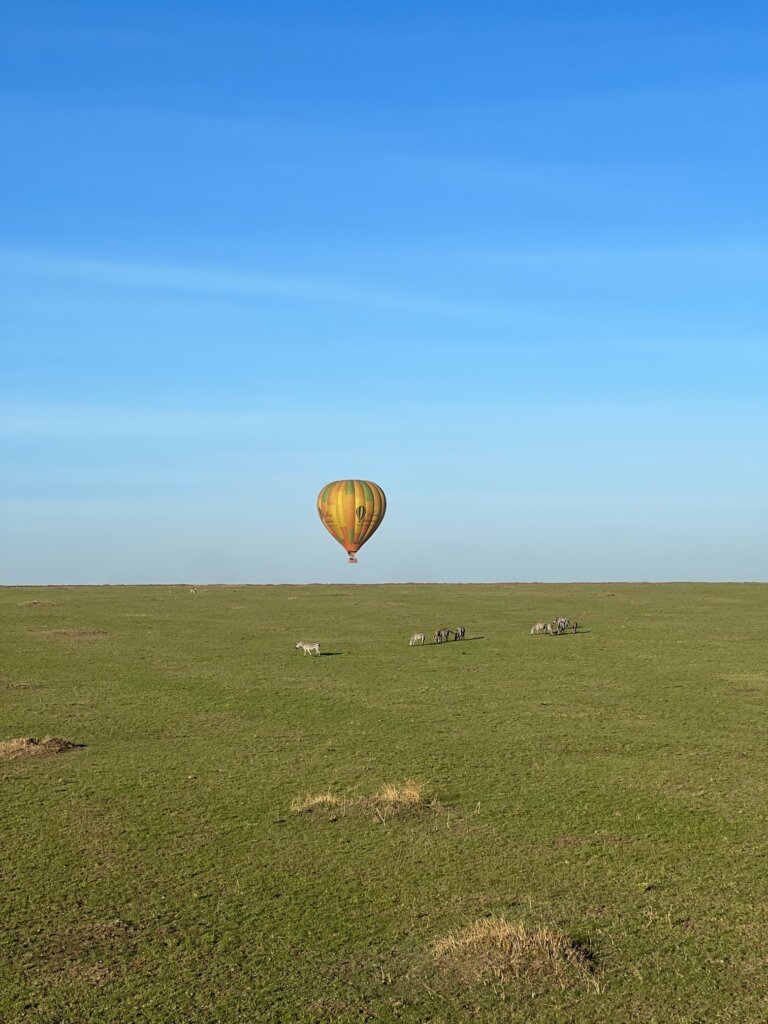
pixel 611 787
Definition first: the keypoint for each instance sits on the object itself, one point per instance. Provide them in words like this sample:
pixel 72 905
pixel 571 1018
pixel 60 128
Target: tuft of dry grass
pixel 30 746
pixel 37 604
pixel 315 802
pixel 495 950
pixel 408 794
pixel 389 800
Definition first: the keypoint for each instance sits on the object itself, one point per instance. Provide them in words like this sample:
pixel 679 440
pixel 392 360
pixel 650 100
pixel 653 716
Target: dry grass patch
pixel 408 794
pixel 30 746
pixel 37 604
pixel 407 798
pixel 390 800
pixel 311 802
pixel 494 950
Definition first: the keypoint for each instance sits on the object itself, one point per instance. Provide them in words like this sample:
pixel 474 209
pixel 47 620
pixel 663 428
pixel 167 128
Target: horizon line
pixel 399 583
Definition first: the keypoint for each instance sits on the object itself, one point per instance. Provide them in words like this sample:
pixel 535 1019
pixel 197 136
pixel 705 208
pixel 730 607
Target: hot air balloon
pixel 351 511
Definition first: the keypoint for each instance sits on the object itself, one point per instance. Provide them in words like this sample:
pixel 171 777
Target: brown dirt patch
pixel 30 746
pixel 327 1010
pixel 93 953
pixel 596 840
pixel 493 950
pixel 38 604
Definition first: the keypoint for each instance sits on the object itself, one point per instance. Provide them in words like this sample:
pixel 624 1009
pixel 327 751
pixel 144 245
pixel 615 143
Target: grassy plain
pixel 611 787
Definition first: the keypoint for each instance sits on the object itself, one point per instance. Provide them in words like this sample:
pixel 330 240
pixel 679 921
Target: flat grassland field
pixel 574 829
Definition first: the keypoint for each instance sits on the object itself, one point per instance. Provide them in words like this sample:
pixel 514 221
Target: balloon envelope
pixel 351 511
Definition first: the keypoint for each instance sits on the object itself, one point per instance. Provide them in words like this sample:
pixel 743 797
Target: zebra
pixel 459 633
pixel 541 627
pixel 310 649
pixel 442 635
pixel 575 626
pixel 561 623
pixel 417 638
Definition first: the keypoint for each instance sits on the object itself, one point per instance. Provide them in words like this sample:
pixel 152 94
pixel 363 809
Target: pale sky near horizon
pixel 508 261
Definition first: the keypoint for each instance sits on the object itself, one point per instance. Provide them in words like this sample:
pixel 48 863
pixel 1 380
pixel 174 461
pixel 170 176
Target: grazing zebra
pixel 562 623
pixel 575 626
pixel 417 638
pixel 442 635
pixel 541 627
pixel 309 649
pixel 459 633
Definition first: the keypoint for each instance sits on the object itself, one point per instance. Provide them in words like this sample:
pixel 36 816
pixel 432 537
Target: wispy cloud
pixel 167 277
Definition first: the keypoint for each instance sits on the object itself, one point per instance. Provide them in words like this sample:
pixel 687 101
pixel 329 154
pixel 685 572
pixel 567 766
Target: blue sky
pixel 508 261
